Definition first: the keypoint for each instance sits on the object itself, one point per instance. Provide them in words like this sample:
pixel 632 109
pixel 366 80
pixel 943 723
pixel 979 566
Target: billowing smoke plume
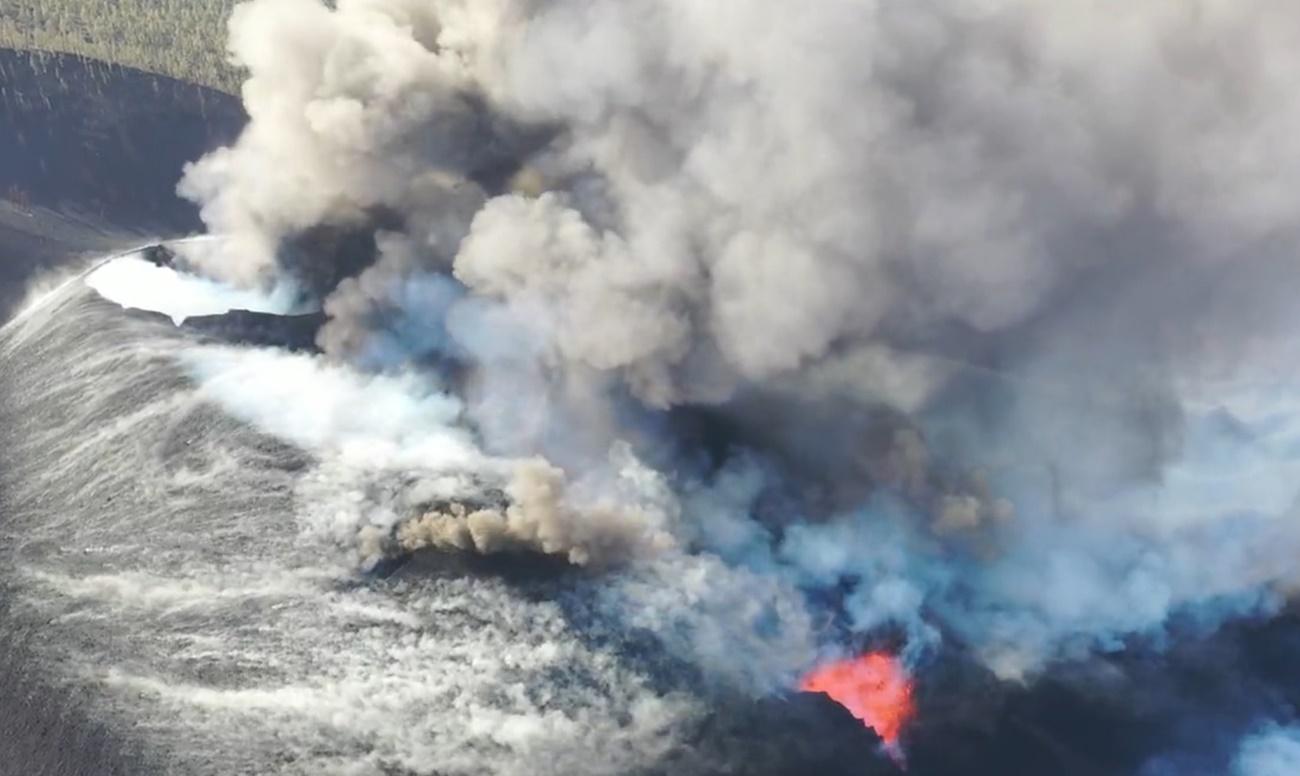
pixel 537 517
pixel 968 320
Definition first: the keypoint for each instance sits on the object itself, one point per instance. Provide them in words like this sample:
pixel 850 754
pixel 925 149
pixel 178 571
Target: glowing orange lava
pixel 875 688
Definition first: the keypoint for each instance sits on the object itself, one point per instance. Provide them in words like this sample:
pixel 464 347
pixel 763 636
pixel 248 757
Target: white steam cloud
pixel 987 304
pixel 135 283
pixel 1273 751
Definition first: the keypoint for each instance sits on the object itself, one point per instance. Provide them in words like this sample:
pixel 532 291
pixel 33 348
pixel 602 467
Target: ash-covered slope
pixel 89 154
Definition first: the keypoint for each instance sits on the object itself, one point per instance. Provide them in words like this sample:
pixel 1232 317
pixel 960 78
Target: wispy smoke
pixel 967 320
pixel 1267 749
pixel 1273 751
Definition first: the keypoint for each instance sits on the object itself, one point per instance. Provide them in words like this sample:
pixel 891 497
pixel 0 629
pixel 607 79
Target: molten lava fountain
pixel 875 688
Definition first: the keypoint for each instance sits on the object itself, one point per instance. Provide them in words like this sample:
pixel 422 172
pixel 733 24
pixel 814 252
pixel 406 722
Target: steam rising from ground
pixel 987 307
pixel 135 283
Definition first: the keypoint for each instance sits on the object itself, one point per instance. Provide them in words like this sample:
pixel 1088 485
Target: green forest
pixel 183 39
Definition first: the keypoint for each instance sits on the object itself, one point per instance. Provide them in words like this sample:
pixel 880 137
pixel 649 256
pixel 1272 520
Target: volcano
pixel 599 388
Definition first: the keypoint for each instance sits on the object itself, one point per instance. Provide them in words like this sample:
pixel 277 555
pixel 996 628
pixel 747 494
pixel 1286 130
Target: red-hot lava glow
pixel 875 688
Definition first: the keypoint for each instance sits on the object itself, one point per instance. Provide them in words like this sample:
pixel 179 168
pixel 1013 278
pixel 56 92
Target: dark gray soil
pixel 89 157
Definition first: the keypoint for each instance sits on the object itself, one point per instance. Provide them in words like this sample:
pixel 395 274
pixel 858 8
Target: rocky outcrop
pixel 245 327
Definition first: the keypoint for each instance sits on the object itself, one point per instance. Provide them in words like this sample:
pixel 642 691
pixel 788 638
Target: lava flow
pixel 875 688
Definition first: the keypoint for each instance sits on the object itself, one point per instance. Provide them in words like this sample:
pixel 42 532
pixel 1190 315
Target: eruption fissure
pixel 874 688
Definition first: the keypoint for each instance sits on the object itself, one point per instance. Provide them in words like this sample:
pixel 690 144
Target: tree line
pixel 183 39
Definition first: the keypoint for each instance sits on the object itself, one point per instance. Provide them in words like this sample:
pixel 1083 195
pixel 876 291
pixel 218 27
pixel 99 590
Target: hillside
pixel 89 158
pixel 183 39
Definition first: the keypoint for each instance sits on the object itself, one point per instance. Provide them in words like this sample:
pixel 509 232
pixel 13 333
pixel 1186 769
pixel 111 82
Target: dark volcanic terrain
pixel 89 158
